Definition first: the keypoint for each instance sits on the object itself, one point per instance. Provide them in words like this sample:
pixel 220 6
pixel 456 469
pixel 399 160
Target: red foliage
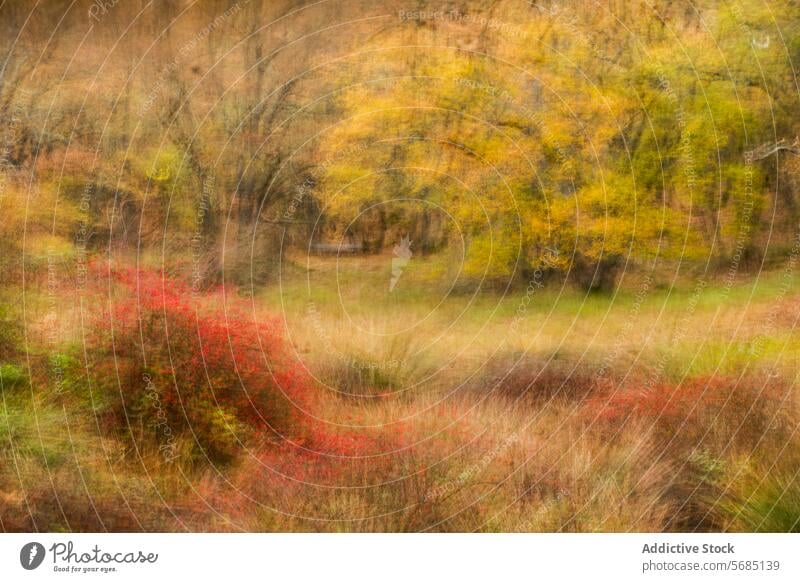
pixel 201 363
pixel 208 367
pixel 661 401
pixel 737 411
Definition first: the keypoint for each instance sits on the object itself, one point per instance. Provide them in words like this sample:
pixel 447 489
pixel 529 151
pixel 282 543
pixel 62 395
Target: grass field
pixel 658 408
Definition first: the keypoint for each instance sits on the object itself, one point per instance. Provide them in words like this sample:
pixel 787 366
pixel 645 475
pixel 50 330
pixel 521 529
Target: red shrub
pixel 714 410
pixel 189 365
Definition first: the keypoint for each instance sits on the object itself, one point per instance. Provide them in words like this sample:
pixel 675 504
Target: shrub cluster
pixel 177 367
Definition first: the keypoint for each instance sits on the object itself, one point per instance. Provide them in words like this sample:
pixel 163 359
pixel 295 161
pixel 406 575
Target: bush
pixel 719 413
pixel 12 376
pixel 522 377
pixel 190 370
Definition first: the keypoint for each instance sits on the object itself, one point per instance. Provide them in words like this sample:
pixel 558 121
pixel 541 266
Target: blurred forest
pixel 345 265
pixel 604 135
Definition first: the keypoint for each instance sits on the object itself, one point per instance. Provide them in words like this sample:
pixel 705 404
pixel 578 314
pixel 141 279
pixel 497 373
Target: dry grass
pixel 430 425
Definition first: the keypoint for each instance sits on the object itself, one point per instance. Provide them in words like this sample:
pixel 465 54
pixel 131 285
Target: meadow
pixel 544 408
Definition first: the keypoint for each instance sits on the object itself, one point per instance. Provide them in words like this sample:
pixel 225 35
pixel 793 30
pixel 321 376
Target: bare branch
pixel 766 150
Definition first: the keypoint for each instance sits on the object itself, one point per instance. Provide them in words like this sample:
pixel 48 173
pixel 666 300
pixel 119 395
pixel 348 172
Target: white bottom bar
pixel 403 557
